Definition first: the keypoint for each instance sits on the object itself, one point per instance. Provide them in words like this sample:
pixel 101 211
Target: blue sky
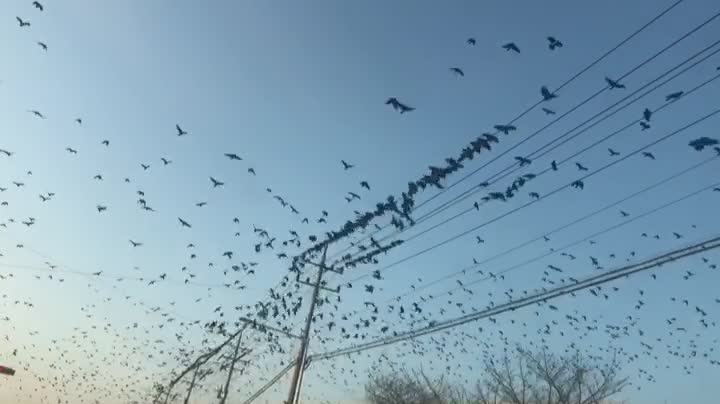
pixel 294 88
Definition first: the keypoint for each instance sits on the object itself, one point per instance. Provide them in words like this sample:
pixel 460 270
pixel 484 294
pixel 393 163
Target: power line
pixel 592 281
pixel 555 191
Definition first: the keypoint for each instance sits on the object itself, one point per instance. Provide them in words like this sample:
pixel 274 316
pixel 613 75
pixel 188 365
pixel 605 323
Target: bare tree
pixel 526 377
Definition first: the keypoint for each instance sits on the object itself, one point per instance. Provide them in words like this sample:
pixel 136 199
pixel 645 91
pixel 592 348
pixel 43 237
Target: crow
pixel 581 167
pixel 251 171
pixel 183 223
pixel 216 183
pixel 5 152
pixel 674 96
pixel 180 131
pixel 233 156
pixel 471 41
pixel 22 23
pixel 346 165
pixel 553 165
pixel 554 43
pixel 647 114
pixel 511 47
pixel 548 111
pixel 613 152
pixel 457 71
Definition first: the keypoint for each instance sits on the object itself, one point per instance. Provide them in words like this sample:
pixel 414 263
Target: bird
pixel 534 195
pixel 554 165
pixel 510 46
pixel 145 166
pixel 364 184
pixel 471 41
pixel 135 243
pixel 647 114
pixel 457 71
pixel 183 223
pixel 624 214
pixel 6 152
pixel 105 143
pixel 524 161
pixel 216 183
pixel 578 184
pixel 37 5
pixel 37 113
pixel 101 208
pixel 648 155
pixel 98 177
pixel 22 23
pixel 614 84
pixel 554 43
pixel 165 161
pixel 546 94
pixel 180 131
pixel 506 129
pixel 71 150
pixel 43 45
pixel 479 240
pixel 79 121
pixel 233 156
pixel 398 106
pixel 674 96
pixel 200 204
pixel 613 152
pixel 581 167
pixel 644 125
pixel 346 165
pixel 251 171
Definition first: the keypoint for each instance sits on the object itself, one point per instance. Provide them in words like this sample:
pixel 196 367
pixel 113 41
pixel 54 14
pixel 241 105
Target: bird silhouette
pixel 471 41
pixel 524 161
pixel 78 121
pixel 98 177
pixel 200 204
pixel 346 165
pixel 674 96
pixel 398 106
pixel 101 208
pixel 22 23
pixel 506 129
pixel 37 113
pixel 647 114
pixel 183 223
pixel 135 244
pixel 613 152
pixel 145 166
pixel 614 84
pixel 105 143
pixel 71 150
pixel 457 71
pixel 553 165
pixel 554 43
pixel 644 125
pixel 43 45
pixel 37 5
pixel 6 152
pixel 233 156
pixel 165 161
pixel 365 185
pixel 578 184
pixel 548 111
pixel 648 155
pixel 216 183
pixel 251 171
pixel 581 167
pixel 510 46
pixel 546 94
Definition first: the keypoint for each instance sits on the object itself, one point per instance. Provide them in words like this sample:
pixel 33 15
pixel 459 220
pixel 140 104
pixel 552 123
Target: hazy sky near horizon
pixel 294 88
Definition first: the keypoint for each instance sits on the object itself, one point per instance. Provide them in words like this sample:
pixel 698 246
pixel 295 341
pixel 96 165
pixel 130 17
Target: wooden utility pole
pixel 236 356
pixel 293 395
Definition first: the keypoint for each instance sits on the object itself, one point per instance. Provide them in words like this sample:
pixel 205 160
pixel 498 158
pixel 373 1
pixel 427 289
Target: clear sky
pixel 294 88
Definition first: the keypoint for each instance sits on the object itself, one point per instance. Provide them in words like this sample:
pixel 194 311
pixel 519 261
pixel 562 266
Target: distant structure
pixel 7 371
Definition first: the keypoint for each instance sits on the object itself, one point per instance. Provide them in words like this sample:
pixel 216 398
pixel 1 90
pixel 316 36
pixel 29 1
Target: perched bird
pixel 471 41
pixel 546 94
pixel 614 84
pixel 233 156
pixel 554 165
pixel 346 165
pixel 180 131
pixel 457 71
pixel 42 45
pixel 674 96
pixel 648 155
pixel 511 47
pixel 548 111
pixel 554 43
pixel 613 152
pixel 216 183
pixel 22 23
pixel 581 167
pixel 398 106
pixel 647 114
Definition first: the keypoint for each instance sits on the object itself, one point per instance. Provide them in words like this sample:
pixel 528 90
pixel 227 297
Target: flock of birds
pixel 162 341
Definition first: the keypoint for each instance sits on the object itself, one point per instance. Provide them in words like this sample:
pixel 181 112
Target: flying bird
pixel 648 155
pixel 674 96
pixel 37 113
pixel 37 5
pixel 78 121
pixel 216 183
pixel 71 150
pixel 22 23
pixel 105 143
pixel 546 94
pixel 578 184
pixel 365 185
pixel 524 161
pixel 6 152
pixel 548 111
pixel 183 223
pixel 398 106
pixel 613 152
pixel 180 131
pixel 346 165
pixel 471 41
pixel 135 244
pixel 614 84
pixel 165 161
pixel 644 125
pixel 506 129
pixel 581 167
pixel 553 43
pixel 251 171
pixel 145 166
pixel 42 45
pixel 101 208
pixel 457 71
pixel 233 156
pixel 511 47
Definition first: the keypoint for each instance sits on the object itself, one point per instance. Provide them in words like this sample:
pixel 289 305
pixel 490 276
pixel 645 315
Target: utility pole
pixel 236 356
pixel 300 363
